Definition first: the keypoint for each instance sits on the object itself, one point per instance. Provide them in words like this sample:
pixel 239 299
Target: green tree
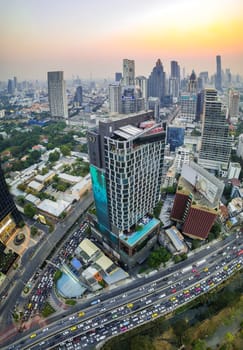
pixel 216 229
pixel 20 200
pixel 66 150
pixel 229 337
pixel 196 243
pixel 141 342
pixel 35 156
pixel 158 256
pixel 29 210
pixel 33 230
pixel 54 156
pixel 199 345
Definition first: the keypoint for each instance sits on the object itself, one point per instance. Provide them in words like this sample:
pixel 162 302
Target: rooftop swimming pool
pixel 137 235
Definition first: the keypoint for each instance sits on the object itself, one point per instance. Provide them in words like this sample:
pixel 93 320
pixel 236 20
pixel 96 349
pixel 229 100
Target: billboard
pixel 202 184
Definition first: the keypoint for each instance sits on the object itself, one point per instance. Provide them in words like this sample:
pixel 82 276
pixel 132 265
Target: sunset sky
pixel 90 38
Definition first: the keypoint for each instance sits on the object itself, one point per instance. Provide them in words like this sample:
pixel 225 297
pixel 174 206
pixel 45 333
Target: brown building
pixel 196 203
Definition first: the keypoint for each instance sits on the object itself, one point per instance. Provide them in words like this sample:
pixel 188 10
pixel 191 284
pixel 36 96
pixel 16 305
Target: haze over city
pixel 91 38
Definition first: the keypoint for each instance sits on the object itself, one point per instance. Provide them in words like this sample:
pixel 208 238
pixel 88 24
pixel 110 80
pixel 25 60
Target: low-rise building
pixel 35 186
pixel 54 209
pixel 45 178
pixel 177 240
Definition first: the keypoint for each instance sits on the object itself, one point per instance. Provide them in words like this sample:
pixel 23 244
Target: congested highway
pixel 142 300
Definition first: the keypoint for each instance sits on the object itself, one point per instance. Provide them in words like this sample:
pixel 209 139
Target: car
pixel 130 305
pixel 33 335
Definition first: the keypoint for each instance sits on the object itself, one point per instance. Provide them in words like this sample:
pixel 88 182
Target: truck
pixel 94 302
pixel 186 269
pixel 200 262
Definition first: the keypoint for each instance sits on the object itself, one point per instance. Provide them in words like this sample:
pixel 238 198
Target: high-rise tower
pixel 188 101
pixel 156 82
pixel 234 103
pixel 78 98
pixel 9 215
pixel 218 77
pixel 142 83
pixel 57 95
pixel 115 94
pixel 126 158
pixel 128 72
pixel 216 144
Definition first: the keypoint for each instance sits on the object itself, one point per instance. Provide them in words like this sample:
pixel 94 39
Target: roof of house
pixel 179 206
pixel 53 208
pixel 104 262
pixel 88 247
pixel 198 222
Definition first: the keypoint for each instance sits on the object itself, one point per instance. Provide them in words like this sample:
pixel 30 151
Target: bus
pixel 94 302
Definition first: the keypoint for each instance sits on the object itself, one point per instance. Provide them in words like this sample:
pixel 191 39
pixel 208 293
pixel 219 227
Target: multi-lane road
pixel 140 301
pixel 31 261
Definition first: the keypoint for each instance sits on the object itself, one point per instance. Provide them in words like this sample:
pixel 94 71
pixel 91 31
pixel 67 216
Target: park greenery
pixel 47 310
pixel 29 210
pixel 70 302
pixel 33 230
pixel 16 148
pixel 60 185
pixel 158 256
pixel 57 275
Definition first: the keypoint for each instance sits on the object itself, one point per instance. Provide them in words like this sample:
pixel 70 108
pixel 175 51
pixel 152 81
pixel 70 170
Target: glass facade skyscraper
pixel 126 157
pixel 216 144
pixel 156 82
pixel 175 137
pixel 9 215
pixel 57 95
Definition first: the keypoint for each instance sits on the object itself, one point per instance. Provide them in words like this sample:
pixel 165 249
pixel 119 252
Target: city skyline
pixel 91 39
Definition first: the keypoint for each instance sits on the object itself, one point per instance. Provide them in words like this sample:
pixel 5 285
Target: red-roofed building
pixel 196 203
pixel 198 222
pixel 179 206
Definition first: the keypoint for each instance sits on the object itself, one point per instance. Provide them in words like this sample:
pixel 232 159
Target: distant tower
pixel 154 104
pixel 132 101
pixel 216 144
pixel 128 72
pixel 174 81
pixel 239 151
pixel 218 77
pixel 142 83
pixel 175 137
pixel 234 103
pixel 192 85
pixel 156 82
pixel 10 87
pixel 188 101
pixel 57 95
pixel 9 215
pixel 118 77
pixel 15 83
pixel 78 98
pixel 115 98
pixel 174 70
